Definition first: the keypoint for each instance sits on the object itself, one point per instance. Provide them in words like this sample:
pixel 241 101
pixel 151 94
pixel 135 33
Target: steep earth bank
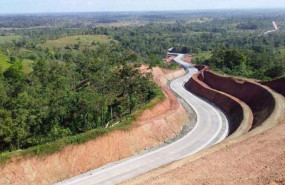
pixel 237 111
pixel 154 126
pixel 277 85
pixel 257 97
pixel 257 160
pixel 256 157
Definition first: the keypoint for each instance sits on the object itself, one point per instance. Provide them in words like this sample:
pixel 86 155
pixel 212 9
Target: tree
pixel 14 72
pixel 275 71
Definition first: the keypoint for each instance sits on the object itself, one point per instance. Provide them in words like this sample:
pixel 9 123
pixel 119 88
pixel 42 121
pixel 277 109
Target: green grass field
pixel 282 51
pixel 4 39
pixel 28 66
pixel 83 40
pixel 4 62
pixel 205 55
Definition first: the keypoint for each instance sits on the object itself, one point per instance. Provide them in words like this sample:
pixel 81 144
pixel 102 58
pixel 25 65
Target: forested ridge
pixel 62 75
pixel 70 95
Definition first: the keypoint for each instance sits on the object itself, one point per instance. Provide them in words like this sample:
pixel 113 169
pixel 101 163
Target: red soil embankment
pixel 277 85
pixel 257 97
pixel 235 109
pixel 154 126
pixel 257 160
pixel 257 157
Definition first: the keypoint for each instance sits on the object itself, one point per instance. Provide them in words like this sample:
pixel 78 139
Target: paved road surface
pixel 209 130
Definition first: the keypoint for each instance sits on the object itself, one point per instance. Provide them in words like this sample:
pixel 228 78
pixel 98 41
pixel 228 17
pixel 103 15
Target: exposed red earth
pixel 257 97
pixel 165 120
pixel 257 160
pixel 254 157
pixel 238 112
pixel 278 85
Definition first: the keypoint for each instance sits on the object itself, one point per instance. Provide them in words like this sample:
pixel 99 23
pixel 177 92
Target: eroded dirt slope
pixel 257 160
pixel 257 157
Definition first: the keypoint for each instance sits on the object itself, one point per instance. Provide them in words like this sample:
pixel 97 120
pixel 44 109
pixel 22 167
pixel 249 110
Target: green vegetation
pixel 63 84
pixel 10 38
pixel 28 66
pixel 246 63
pixel 173 66
pixel 77 41
pixel 59 99
pixel 58 145
pixel 4 62
pixel 201 56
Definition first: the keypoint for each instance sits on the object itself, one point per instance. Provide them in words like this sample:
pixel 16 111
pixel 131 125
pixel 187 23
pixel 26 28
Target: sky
pixel 49 6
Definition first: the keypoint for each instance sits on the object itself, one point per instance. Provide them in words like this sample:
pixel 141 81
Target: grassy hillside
pixel 203 55
pixel 282 51
pixel 28 66
pixel 82 40
pixel 4 39
pixel 4 62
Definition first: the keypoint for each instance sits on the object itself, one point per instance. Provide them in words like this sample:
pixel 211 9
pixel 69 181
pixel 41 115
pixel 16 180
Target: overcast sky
pixel 42 6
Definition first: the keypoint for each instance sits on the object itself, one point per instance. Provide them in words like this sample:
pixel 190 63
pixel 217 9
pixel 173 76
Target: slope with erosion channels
pixel 258 98
pixel 210 128
pixel 239 114
pixel 254 157
pixel 165 120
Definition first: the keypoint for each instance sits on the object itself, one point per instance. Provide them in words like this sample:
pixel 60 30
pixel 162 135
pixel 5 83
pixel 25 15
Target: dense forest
pixel 65 74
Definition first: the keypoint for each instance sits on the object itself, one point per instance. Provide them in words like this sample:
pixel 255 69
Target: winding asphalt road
pixel 209 130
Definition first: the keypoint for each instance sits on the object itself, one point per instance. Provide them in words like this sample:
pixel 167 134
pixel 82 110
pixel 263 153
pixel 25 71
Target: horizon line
pixel 142 11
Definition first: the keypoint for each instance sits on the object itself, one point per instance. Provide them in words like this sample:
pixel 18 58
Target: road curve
pixel 209 130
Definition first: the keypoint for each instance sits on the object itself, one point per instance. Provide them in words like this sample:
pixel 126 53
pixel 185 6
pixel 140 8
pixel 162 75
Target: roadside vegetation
pixel 64 94
pixel 62 82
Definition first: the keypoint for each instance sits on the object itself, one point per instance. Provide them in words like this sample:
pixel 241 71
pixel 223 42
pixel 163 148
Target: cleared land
pixel 203 55
pixel 28 66
pixel 254 158
pixel 4 64
pixel 10 38
pixel 82 40
pixel 262 161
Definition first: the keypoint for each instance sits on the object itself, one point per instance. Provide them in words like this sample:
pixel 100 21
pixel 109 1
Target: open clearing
pixel 83 40
pixel 4 39
pixel 4 64
pixel 203 55
pixel 28 66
